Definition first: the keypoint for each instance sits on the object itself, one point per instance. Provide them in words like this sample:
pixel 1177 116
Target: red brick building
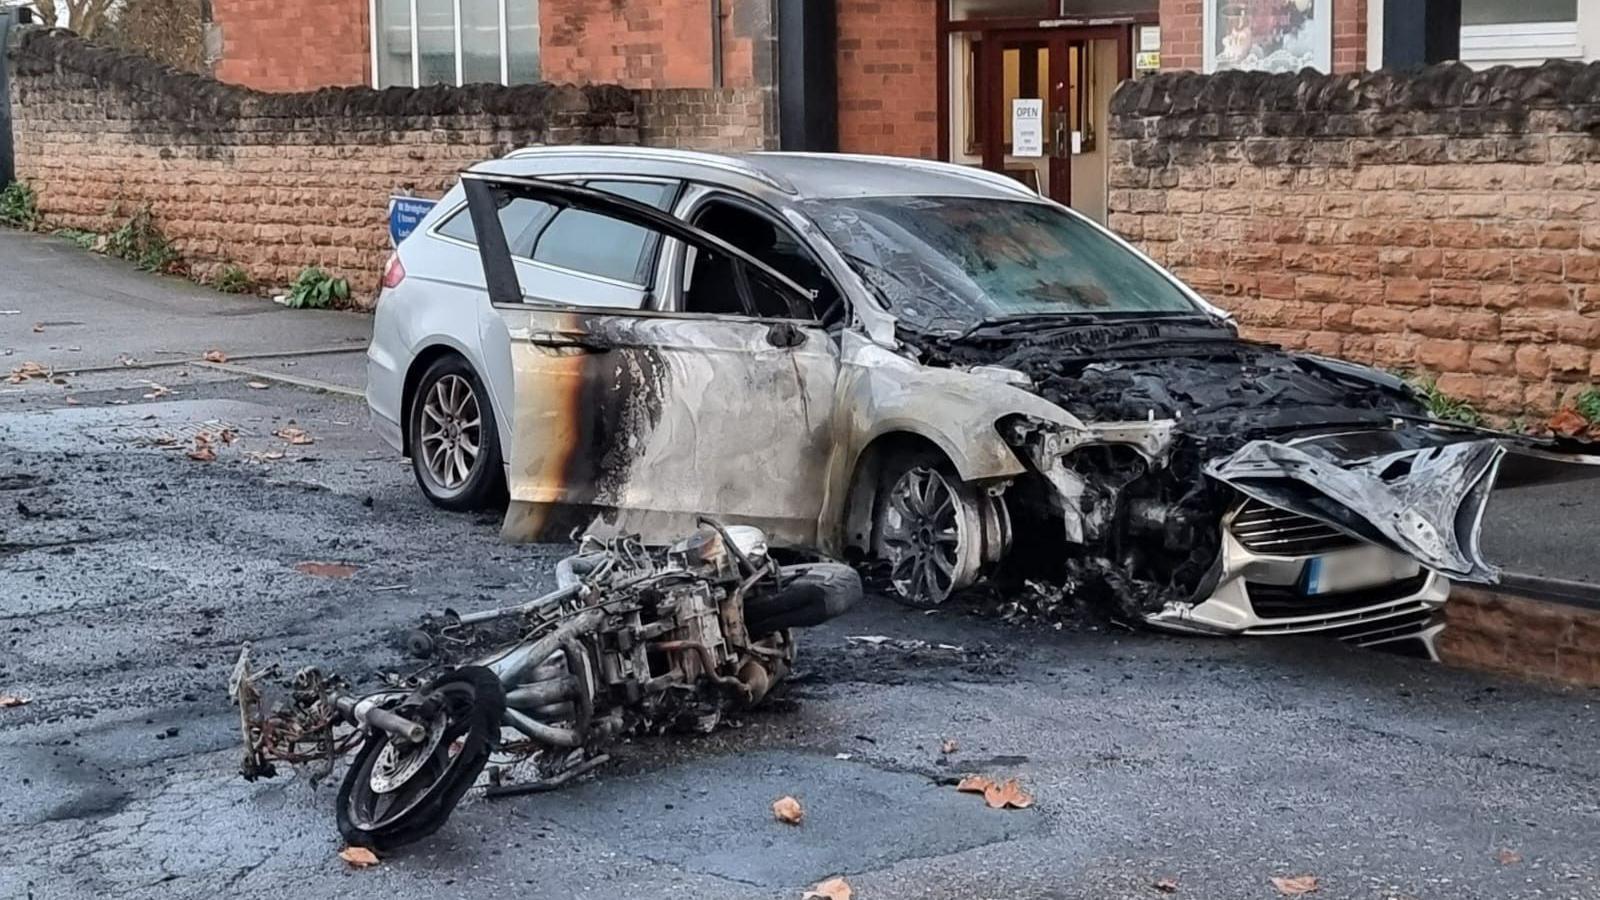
pixel 947 79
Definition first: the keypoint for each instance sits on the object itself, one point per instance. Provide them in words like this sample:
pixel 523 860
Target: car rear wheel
pixel 455 445
pixel 928 529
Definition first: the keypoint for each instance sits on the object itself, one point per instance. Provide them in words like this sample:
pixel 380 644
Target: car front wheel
pixel 929 532
pixel 455 446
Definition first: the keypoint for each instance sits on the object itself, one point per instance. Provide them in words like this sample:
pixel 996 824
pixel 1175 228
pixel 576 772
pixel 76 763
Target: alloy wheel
pixel 452 431
pixel 929 531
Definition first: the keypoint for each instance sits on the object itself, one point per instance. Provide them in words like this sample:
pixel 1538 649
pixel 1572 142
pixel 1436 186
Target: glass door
pixel 1029 98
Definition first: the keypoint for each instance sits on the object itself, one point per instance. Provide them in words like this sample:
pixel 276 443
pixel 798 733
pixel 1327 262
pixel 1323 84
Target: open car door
pixel 646 418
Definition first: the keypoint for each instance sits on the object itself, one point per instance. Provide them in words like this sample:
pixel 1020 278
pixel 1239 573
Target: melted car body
pixel 930 367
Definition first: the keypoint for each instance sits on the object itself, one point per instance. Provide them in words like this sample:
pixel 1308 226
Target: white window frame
pixel 416 56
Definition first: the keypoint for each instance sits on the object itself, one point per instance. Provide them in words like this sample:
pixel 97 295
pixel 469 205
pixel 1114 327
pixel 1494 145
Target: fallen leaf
pixel 1165 885
pixel 8 701
pixel 216 356
pixel 1007 795
pixel 1569 422
pixel 949 747
pixel 256 385
pixel 38 327
pixel 293 435
pixel 832 889
pixel 157 391
pixel 1508 857
pixel 326 569
pixel 1295 885
pixel 202 453
pixel 975 784
pixel 358 857
pixel 788 810
pixel 30 369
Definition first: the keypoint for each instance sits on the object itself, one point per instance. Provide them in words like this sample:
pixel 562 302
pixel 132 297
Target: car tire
pixel 454 438
pixel 894 537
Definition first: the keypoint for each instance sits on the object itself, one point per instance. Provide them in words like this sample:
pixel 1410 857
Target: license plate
pixel 1355 569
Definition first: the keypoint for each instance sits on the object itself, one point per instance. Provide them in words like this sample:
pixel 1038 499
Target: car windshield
pixel 953 263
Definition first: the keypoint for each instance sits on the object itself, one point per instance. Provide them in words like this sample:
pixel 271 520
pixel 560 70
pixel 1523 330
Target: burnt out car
pixel 914 363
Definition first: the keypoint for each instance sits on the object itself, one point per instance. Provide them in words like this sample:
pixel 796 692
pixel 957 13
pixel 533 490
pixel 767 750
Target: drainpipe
pixel 8 170
pixel 716 44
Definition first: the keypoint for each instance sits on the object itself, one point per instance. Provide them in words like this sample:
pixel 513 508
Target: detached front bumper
pixel 1285 574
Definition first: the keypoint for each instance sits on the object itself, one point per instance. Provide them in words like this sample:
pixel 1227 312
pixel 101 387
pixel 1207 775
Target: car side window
pixel 577 240
pixel 773 244
pixel 521 220
pixel 598 245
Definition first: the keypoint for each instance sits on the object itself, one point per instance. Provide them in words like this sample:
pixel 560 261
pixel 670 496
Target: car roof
pixel 802 176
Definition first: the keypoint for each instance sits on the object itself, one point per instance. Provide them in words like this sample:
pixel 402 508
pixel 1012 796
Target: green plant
pixel 316 289
pixel 19 206
pixel 1443 406
pixel 232 279
pixel 140 242
pixel 1588 405
pixel 84 239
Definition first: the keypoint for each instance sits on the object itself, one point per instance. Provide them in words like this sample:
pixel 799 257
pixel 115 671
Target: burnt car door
pixel 647 418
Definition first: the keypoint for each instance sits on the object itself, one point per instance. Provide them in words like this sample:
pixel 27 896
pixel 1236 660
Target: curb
pixel 1581 594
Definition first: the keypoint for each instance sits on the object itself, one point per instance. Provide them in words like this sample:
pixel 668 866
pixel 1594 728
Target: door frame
pixel 1078 28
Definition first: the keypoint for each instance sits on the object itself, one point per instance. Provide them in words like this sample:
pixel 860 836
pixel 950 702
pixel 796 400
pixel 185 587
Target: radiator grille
pixel 1277 532
pixel 1273 601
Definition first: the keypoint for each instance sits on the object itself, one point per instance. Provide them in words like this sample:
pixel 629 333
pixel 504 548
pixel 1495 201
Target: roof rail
pixel 982 176
pixel 659 154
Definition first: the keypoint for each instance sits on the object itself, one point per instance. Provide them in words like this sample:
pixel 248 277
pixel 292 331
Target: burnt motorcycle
pixel 630 641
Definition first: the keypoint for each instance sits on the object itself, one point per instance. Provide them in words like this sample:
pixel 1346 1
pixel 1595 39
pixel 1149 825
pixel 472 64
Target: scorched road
pixel 130 574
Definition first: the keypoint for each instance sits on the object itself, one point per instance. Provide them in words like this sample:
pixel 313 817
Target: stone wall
pixel 1445 221
pixel 730 120
pixel 278 182
pixel 1497 632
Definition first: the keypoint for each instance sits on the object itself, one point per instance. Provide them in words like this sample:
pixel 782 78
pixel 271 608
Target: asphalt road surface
pixel 130 575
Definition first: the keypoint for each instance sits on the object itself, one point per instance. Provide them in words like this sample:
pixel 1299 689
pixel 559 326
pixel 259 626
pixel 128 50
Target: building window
pixel 420 42
pixel 1268 35
pixel 1519 32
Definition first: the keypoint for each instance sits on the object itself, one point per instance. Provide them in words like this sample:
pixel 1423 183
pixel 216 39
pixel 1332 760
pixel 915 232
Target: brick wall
pixel 888 65
pixel 1183 34
pixel 654 43
pixel 293 45
pixel 1498 632
pixel 278 182
pixel 1446 221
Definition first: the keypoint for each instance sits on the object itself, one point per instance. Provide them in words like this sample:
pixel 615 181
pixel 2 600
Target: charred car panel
pixel 1007 381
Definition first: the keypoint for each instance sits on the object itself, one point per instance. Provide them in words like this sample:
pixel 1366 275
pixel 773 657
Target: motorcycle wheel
pixel 395 794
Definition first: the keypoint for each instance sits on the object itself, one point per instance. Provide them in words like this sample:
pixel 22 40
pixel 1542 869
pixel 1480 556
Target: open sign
pixel 1027 127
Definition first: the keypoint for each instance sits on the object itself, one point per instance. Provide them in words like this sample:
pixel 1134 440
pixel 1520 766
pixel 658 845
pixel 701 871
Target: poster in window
pixel 1268 35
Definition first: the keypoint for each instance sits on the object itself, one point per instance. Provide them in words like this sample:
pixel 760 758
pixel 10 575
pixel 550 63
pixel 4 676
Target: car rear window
pixel 578 240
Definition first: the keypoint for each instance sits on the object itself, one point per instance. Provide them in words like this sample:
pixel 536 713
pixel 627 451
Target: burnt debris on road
pixel 133 578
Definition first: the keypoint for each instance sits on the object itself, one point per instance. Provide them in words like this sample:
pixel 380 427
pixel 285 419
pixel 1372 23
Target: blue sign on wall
pixel 405 213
